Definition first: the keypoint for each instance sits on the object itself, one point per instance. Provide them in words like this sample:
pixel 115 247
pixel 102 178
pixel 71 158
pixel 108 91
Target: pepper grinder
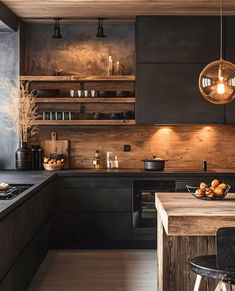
pixel 204 166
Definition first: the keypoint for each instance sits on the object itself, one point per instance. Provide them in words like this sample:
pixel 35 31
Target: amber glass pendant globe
pixel 217 82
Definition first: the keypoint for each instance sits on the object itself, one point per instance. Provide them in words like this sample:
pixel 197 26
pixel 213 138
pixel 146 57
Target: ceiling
pixel 36 9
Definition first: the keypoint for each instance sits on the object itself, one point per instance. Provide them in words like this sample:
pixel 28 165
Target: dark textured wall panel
pixel 79 52
pixel 9 69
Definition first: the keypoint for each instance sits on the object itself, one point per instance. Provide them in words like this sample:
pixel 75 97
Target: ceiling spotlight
pixel 100 30
pixel 57 33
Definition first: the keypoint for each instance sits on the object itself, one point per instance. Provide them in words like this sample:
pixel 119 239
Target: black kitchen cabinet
pixel 230 56
pixel 19 230
pixel 169 94
pixel 75 228
pixel 31 258
pixel 93 209
pixel 7 284
pixel 177 39
pixel 89 195
pixel 230 39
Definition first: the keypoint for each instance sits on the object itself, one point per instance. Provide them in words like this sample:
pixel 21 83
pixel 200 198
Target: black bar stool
pixel 220 266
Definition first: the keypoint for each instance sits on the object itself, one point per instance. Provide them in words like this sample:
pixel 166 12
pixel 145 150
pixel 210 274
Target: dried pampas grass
pixel 21 109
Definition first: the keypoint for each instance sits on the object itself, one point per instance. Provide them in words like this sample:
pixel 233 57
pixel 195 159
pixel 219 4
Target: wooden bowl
pixel 53 167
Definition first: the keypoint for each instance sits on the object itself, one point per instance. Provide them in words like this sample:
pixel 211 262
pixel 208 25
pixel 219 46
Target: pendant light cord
pixel 221 30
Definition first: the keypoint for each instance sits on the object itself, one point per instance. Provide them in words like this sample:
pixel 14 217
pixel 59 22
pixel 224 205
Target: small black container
pixel 36 157
pixel 204 166
pixel 115 115
pixel 127 115
pixel 97 115
pixel 23 157
pixel 47 92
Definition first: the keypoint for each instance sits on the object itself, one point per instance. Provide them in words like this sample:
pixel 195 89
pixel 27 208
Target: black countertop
pixel 37 178
pixel 142 173
pixel 40 178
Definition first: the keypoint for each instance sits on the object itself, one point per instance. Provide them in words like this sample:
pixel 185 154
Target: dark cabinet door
pixel 73 228
pixel 177 39
pixel 31 258
pixel 94 194
pixel 169 94
pixel 7 284
pixel 230 39
pixel 230 56
pixel 230 113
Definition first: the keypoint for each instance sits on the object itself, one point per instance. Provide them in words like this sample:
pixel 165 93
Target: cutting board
pixel 59 146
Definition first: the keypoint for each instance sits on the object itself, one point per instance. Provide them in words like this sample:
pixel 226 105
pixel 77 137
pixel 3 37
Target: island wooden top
pixel 184 215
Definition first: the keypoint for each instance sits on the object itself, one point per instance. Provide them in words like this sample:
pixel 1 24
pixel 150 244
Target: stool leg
pixel 219 286
pixel 222 286
pixel 197 283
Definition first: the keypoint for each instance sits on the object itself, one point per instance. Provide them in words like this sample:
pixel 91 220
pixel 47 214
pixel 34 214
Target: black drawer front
pixel 73 228
pixel 64 183
pixel 94 199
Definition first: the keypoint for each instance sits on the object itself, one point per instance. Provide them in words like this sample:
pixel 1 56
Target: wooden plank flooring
pixel 97 270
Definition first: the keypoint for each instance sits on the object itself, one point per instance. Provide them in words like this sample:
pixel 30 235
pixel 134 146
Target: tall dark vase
pixel 23 157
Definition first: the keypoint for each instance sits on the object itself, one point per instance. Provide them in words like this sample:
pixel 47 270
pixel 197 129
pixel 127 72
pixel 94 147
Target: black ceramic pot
pixel 154 164
pixel 23 157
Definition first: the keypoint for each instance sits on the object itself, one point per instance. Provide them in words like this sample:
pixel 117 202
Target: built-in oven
pixel 144 215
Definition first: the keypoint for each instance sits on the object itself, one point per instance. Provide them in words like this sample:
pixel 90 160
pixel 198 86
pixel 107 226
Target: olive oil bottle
pixel 96 160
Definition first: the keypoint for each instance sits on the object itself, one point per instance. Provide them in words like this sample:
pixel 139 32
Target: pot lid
pixel 154 159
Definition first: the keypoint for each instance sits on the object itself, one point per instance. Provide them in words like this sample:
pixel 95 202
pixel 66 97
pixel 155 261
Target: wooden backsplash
pixel 185 146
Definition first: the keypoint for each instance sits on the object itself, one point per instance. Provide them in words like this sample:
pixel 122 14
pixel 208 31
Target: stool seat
pixel 206 267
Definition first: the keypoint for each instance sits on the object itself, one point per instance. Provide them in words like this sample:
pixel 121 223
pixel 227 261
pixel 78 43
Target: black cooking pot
pixel 154 164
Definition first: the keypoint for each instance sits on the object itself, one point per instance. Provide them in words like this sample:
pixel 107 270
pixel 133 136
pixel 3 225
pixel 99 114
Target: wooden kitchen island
pixel 186 228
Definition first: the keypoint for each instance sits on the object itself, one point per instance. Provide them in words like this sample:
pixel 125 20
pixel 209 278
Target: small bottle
pixel 96 160
pixel 39 161
pixel 204 166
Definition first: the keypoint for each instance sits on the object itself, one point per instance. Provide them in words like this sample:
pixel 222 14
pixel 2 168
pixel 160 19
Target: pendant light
pixel 217 79
pixel 100 30
pixel 57 33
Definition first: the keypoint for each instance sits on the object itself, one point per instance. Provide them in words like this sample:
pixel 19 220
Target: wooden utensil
pixel 60 146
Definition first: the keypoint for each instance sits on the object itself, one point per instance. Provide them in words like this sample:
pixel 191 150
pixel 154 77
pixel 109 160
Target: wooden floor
pixel 105 270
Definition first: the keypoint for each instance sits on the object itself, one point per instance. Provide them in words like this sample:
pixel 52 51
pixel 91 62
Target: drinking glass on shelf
pixel 79 93
pixel 52 115
pixel 86 93
pixel 59 115
pixel 67 115
pixel 93 93
pixel 72 93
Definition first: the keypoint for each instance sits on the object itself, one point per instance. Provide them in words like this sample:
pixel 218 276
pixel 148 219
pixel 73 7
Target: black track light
pixel 100 30
pixel 57 33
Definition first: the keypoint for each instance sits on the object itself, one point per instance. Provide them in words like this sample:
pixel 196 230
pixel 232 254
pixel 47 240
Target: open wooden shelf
pixel 77 78
pixel 85 122
pixel 81 82
pixel 85 100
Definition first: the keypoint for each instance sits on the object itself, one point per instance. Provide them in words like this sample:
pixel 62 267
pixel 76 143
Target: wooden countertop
pixel 184 215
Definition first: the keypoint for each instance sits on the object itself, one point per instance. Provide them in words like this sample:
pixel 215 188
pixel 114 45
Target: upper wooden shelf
pixel 85 100
pixel 85 122
pixel 77 78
